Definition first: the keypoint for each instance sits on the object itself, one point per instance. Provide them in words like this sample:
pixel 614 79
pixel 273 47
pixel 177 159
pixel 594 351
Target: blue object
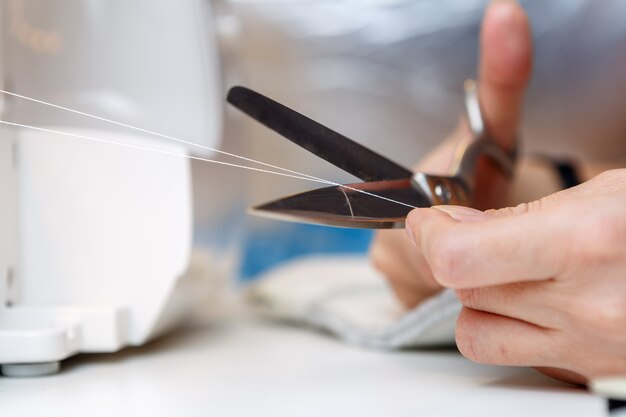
pixel 266 247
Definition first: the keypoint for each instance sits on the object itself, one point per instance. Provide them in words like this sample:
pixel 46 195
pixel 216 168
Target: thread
pixel 150 132
pixel 296 175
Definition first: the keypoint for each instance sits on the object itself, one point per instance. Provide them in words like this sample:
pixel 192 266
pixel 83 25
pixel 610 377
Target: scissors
pixel 388 191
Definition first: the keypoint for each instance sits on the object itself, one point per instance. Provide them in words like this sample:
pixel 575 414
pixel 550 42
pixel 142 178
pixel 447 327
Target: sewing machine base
pixel 34 340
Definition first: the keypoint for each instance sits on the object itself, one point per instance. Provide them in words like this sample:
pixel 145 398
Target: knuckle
pixel 596 239
pixel 608 232
pixel 610 315
pixel 600 316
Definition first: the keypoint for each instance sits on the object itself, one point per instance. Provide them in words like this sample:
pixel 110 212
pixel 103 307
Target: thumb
pixel 464 214
pixel 467 248
pixel 504 68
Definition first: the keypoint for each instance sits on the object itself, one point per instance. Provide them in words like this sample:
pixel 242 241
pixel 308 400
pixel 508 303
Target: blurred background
pixel 104 247
pixel 386 73
pixel 389 74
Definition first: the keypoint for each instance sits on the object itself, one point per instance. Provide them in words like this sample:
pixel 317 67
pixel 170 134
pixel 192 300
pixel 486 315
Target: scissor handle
pixel 458 188
pixel 482 143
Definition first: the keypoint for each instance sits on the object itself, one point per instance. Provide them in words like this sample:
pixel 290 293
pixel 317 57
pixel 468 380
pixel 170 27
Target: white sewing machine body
pixel 96 238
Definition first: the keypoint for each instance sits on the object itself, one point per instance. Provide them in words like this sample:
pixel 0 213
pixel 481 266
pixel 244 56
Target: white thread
pixel 348 202
pixel 150 132
pixel 161 151
pixel 146 148
pixel 295 174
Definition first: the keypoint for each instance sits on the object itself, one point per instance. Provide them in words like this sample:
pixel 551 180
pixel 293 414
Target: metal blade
pixel 342 207
pixel 314 137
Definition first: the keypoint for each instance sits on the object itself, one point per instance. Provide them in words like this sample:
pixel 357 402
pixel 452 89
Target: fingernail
pixel 463 214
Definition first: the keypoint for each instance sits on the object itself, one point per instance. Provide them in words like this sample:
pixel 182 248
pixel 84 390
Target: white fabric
pixel 348 298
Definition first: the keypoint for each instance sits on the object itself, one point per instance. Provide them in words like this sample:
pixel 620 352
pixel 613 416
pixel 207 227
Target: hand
pixel 543 284
pixel 504 71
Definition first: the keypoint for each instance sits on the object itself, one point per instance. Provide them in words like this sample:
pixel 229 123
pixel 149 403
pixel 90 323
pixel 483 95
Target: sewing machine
pixel 96 238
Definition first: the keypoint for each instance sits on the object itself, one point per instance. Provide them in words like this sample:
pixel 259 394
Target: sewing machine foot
pixel 30 369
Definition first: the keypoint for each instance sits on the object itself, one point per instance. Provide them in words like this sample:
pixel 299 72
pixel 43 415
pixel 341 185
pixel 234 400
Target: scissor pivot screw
pixel 443 193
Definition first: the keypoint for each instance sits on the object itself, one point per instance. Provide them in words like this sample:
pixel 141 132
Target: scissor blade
pixel 316 138
pixel 343 206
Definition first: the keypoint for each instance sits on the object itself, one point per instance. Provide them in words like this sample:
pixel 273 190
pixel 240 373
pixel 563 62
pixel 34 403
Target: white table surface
pixel 244 366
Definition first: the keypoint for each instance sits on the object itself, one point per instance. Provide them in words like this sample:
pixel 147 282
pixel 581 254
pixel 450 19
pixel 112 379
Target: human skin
pixel 543 283
pixel 504 71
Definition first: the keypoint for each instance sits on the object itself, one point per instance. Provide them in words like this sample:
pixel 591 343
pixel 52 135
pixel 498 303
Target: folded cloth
pixel 347 297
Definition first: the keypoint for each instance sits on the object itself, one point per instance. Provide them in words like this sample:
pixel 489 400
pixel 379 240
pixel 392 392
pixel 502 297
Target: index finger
pixel 493 251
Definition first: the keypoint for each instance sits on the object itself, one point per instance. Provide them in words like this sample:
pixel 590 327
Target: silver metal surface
pixel 354 206
pixel 442 189
pixel 385 203
pixel 472 109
